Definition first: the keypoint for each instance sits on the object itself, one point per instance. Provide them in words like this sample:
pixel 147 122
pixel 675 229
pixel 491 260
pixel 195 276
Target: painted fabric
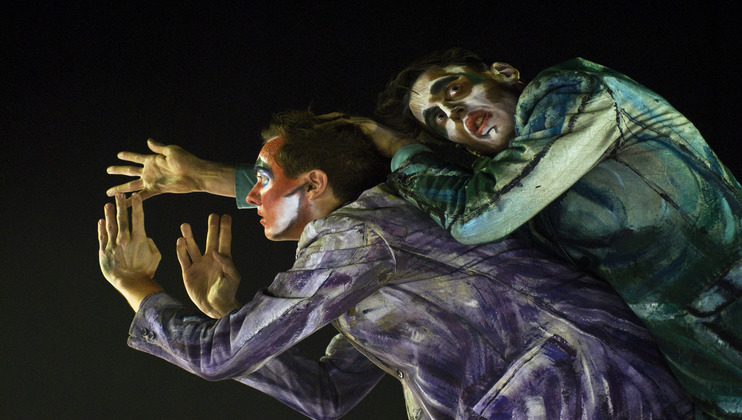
pixel 605 173
pixel 499 330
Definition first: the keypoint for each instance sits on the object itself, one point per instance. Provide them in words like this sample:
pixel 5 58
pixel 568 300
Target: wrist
pixel 222 308
pixel 135 291
pixel 216 178
pixel 222 311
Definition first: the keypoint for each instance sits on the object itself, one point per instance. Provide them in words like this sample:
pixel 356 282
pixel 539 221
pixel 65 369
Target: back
pixel 498 329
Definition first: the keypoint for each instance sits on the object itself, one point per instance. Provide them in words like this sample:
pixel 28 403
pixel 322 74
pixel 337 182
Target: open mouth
pixel 476 121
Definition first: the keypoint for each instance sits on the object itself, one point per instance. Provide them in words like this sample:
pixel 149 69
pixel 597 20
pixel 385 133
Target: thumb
pixel 227 265
pixel 156 147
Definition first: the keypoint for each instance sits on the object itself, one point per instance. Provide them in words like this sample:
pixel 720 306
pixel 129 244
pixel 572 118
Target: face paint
pixel 468 107
pixel 280 200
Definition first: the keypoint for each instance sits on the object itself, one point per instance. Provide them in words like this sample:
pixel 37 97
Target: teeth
pixel 479 121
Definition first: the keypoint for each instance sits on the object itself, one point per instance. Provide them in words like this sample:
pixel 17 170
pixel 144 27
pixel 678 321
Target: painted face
pixel 281 201
pixel 465 106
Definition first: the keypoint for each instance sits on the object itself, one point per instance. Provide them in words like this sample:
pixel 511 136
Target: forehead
pixel 270 150
pixel 427 79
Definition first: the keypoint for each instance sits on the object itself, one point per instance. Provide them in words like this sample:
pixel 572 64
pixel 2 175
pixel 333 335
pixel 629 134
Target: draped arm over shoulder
pixel 565 125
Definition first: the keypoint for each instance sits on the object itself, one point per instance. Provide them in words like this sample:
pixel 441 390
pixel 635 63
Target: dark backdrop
pixel 80 83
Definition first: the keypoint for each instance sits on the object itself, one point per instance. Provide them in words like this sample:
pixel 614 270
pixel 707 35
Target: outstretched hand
pixel 127 257
pixel 211 279
pixel 170 170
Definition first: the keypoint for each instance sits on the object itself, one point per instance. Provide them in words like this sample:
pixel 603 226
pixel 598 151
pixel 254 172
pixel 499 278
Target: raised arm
pixel 211 279
pixel 323 285
pixel 128 259
pixel 172 169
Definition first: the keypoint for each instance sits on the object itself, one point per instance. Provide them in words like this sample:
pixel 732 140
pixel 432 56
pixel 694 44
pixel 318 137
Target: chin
pixel 280 237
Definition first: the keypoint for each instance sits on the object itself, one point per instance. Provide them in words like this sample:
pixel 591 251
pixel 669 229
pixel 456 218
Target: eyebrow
pixel 261 165
pixel 440 83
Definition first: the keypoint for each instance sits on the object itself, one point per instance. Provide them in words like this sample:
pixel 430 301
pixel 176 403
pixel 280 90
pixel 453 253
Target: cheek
pixel 481 97
pixel 456 132
pixel 286 210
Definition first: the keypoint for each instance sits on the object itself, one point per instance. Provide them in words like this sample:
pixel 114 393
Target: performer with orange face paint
pixel 471 331
pixel 279 200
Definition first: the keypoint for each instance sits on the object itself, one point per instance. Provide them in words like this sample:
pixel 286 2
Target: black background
pixel 81 82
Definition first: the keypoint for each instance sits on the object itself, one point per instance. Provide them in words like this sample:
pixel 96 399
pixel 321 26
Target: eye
pixel 440 117
pixel 261 178
pixel 453 90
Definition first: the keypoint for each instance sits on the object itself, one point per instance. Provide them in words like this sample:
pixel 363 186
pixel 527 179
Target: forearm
pixel 216 178
pixel 321 389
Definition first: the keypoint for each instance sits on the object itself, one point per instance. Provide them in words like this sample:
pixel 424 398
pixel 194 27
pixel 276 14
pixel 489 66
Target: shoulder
pixel 378 214
pixel 376 209
pixel 562 90
pixel 576 74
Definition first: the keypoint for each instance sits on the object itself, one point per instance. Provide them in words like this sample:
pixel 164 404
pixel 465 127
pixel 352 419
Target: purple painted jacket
pixel 471 331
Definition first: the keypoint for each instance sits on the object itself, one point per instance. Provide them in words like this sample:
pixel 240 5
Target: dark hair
pixel 336 146
pixel 392 106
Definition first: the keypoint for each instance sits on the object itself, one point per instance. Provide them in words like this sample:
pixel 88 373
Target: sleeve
pixel 244 180
pixel 328 388
pixel 565 127
pixel 406 152
pixel 337 268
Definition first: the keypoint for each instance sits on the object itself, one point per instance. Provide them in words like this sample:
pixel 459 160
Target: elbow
pixel 475 235
pixel 211 376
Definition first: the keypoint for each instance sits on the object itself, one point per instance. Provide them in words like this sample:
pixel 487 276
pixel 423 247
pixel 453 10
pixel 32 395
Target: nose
pixel 458 113
pixel 253 197
pixel 455 113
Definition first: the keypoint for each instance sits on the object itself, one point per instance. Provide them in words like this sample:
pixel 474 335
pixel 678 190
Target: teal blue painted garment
pixel 244 180
pixel 607 174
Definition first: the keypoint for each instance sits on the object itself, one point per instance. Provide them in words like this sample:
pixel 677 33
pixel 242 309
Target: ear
pixel 506 70
pixel 316 184
pixel 507 74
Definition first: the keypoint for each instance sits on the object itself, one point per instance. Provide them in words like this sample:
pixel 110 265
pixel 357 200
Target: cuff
pixel 141 326
pixel 405 152
pixel 244 180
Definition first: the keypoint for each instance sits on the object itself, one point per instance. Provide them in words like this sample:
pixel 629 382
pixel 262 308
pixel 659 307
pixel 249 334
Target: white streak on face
pixel 286 213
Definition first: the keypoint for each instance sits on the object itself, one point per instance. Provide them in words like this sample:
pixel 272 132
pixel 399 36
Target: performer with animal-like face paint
pixel 594 167
pixel 467 107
